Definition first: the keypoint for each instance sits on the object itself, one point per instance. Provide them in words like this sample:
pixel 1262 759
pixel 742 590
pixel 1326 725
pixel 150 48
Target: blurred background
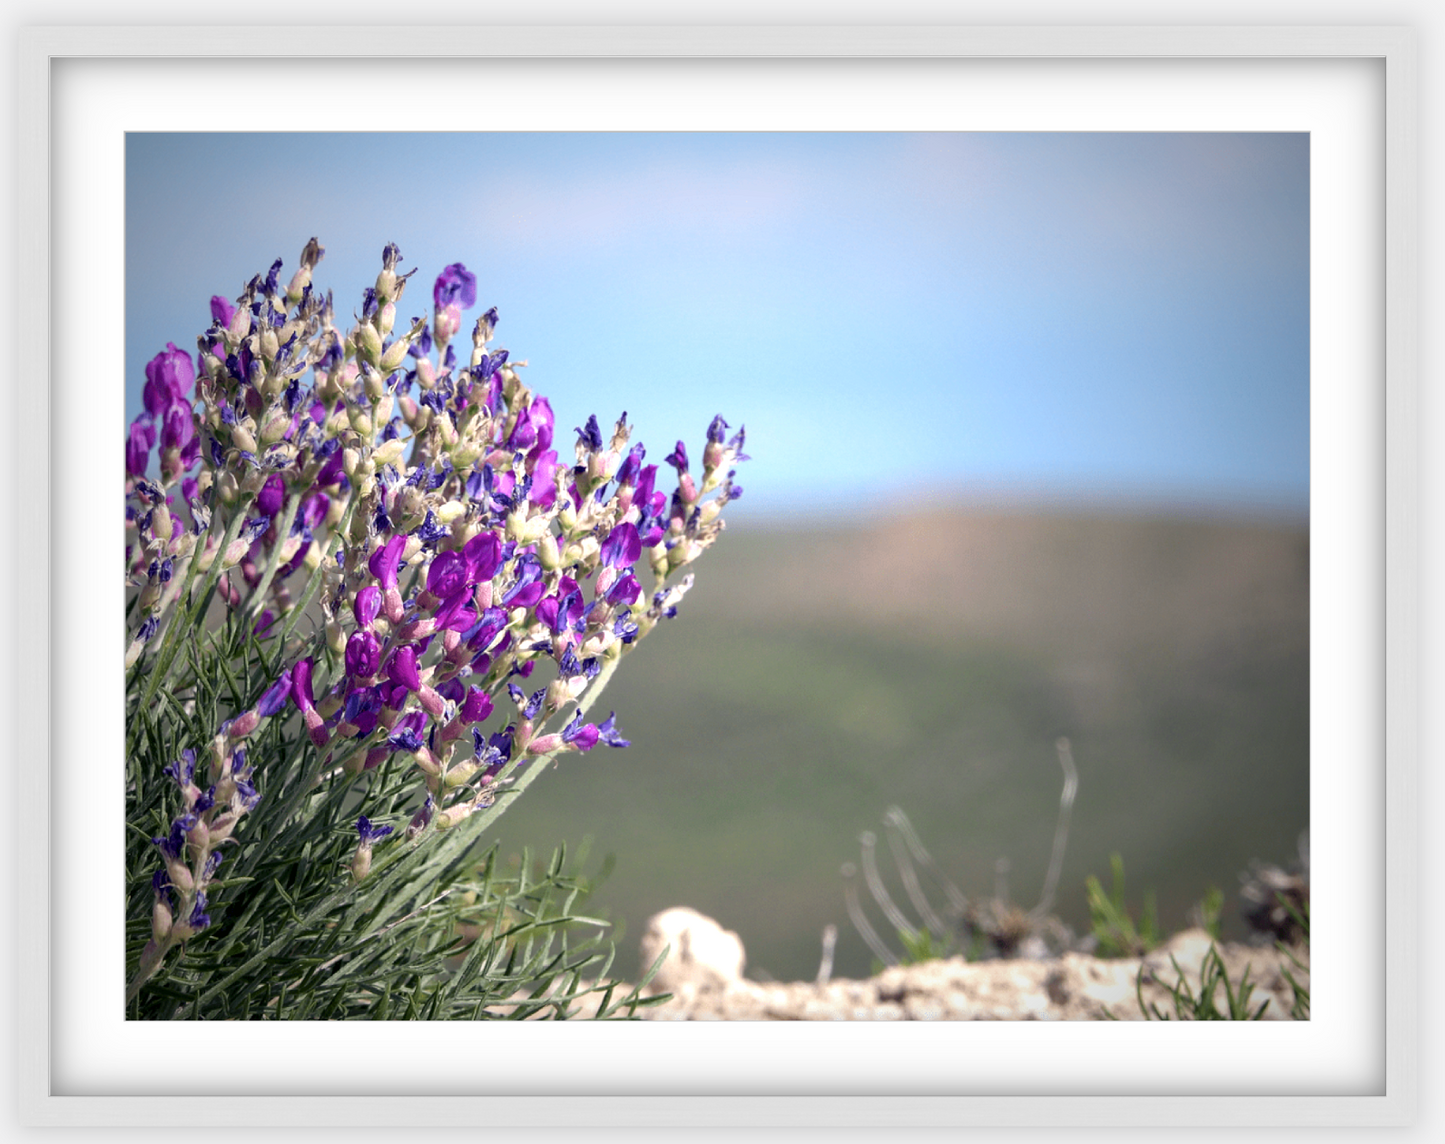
pixel 1029 426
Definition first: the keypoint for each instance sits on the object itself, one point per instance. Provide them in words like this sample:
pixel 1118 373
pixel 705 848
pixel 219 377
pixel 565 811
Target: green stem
pixel 432 848
pixel 150 960
pixel 536 766
pixel 293 617
pixel 185 618
pixel 273 562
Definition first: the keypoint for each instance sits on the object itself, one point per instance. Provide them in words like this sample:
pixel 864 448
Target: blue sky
pixel 1121 317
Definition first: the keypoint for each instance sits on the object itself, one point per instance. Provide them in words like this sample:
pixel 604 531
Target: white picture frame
pixel 1391 1095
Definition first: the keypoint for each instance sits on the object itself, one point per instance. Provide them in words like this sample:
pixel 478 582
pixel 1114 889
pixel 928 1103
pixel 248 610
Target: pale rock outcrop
pixel 704 976
pixel 706 982
pixel 704 957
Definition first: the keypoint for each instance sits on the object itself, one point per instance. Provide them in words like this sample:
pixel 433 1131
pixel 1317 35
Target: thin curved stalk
pixel 877 888
pixel 956 899
pixel 1061 832
pixel 909 877
pixel 860 919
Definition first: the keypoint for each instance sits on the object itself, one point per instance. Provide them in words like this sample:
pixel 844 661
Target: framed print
pixel 89 94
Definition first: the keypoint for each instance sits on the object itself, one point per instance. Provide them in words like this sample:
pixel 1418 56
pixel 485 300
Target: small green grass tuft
pixel 1189 1006
pixel 1113 924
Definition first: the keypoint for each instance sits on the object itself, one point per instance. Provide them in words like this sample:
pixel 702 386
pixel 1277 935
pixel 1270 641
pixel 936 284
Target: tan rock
pixel 705 977
pixel 703 956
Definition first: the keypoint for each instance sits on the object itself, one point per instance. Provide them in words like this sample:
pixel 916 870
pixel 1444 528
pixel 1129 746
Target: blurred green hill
pixel 817 675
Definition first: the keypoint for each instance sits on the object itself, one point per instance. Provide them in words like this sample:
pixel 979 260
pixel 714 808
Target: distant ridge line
pixel 832 512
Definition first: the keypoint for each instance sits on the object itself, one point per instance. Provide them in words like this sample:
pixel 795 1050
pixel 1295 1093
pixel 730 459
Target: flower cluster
pixel 452 543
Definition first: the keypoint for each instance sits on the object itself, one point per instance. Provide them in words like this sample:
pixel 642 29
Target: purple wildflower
pixel 430 531
pixel 401 668
pixel 447 574
pixel 139 444
pixel 276 695
pixel 368 832
pixel 421 819
pixel 528 589
pixel 581 736
pixel 172 373
pixel 561 614
pixel 366 606
pixel 631 466
pixel 483 553
pixel 607 733
pixel 405 739
pixel 476 707
pixel 199 919
pixel 306 703
pixel 625 591
pixel 385 560
pixel 363 654
pixel 524 433
pixel 272 495
pixel 493 622
pixel 183 770
pixel 622 547
pixel 178 426
pixel 455 613
pixel 173 845
pixel 590 435
pixel 455 285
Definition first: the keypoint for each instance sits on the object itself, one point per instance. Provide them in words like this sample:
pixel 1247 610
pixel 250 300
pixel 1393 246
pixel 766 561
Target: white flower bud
pixel 449 512
pixel 161 523
pixel 228 488
pixel 453 815
pixel 367 341
pixel 275 428
pixel 395 355
pixel 388 452
pixel 240 326
pixel 361 862
pixel 459 774
pixel 241 435
pixel 464 454
pixel 373 383
pixel 360 419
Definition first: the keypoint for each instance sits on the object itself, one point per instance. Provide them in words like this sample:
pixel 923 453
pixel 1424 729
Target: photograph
pixel 957 482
